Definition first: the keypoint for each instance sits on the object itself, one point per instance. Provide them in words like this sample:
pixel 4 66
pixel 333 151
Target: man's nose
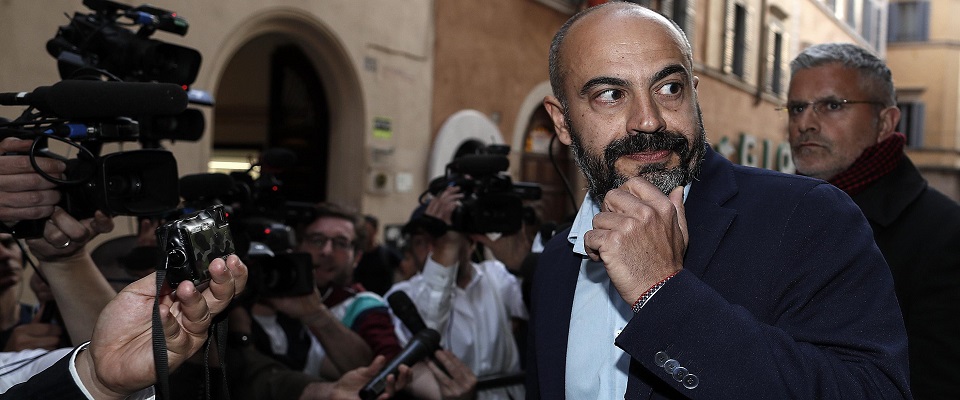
pixel 806 121
pixel 645 116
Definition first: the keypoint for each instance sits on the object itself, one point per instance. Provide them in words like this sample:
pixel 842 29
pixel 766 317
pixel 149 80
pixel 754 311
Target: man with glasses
pixel 335 328
pixel 842 124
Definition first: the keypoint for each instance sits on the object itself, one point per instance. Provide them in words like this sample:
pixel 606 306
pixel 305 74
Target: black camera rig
pixel 492 201
pixel 144 99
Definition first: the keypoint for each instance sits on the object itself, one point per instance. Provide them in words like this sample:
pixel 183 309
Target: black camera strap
pixel 161 363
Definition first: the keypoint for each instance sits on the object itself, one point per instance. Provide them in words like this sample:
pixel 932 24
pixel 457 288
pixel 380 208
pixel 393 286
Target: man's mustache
pixel 642 142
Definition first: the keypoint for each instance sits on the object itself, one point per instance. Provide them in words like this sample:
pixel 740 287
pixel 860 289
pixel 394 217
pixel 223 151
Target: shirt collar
pixel 584 221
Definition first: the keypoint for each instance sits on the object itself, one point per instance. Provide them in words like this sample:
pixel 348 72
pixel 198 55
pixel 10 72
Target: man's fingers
pixel 227 278
pixel 194 313
pixel 21 164
pixel 676 197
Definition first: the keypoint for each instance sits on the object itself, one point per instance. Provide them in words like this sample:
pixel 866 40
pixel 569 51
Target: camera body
pixel 187 245
pixel 491 201
pixel 278 274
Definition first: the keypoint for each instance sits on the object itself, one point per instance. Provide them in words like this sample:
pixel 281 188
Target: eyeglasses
pixel 320 241
pixel 823 107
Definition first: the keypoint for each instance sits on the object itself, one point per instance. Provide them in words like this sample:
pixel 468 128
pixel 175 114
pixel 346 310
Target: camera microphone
pixel 406 311
pixel 73 99
pixel 423 344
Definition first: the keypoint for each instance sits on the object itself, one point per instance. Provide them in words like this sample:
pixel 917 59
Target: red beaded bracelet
pixel 649 293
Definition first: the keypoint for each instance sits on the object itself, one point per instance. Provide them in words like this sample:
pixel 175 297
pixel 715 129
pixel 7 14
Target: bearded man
pixel 684 276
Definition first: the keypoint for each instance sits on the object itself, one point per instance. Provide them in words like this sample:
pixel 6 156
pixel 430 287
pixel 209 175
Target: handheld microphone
pixel 74 99
pixel 409 315
pixel 406 311
pixel 422 345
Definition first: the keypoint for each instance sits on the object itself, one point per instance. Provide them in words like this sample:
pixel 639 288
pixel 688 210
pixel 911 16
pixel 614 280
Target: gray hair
pixel 557 76
pixel 874 73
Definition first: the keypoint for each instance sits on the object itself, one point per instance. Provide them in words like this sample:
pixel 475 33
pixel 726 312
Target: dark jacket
pixel 918 231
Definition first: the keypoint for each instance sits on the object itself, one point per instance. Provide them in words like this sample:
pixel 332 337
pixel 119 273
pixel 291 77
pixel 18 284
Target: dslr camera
pixel 492 202
pixel 187 245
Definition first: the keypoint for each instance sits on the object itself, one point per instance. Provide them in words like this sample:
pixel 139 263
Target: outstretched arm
pixel 119 360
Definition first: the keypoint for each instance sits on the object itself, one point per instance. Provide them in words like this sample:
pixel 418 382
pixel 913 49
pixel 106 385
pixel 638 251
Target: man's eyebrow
pixel 602 81
pixel 670 70
pixel 611 81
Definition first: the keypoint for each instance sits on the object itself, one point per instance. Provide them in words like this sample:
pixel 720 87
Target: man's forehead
pixel 824 81
pixel 329 223
pixel 624 36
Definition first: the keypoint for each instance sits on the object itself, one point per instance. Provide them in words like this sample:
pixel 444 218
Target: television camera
pixel 144 100
pixel 492 202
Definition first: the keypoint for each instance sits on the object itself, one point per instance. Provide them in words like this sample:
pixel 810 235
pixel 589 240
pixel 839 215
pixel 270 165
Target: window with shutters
pixel 911 122
pixel 776 59
pixel 739 44
pixel 908 21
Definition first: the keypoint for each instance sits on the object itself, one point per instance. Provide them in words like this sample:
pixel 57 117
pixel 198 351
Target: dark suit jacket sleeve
pixel 54 383
pixel 814 317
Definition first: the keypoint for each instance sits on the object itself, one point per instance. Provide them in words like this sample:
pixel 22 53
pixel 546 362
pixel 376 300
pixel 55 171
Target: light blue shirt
pixel 596 367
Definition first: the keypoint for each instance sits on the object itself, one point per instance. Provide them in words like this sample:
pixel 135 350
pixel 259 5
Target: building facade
pixel 375 97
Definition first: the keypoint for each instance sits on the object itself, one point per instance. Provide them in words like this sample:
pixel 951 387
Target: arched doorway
pixel 277 74
pixel 280 104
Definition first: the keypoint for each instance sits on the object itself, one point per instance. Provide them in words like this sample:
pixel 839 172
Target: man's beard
pixel 602 175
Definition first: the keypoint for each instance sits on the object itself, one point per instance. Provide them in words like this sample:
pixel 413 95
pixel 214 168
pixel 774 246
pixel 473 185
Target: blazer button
pixel 680 373
pixel 671 365
pixel 660 358
pixel 690 381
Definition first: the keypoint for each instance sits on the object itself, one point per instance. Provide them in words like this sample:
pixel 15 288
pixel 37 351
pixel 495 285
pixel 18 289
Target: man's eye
pixel 671 88
pixel 610 95
pixel 830 105
pixel 796 109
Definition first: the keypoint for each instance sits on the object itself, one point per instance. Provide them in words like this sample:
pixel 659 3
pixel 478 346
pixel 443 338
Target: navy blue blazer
pixel 783 295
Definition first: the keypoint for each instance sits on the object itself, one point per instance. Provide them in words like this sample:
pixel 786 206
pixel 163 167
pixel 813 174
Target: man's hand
pixel 304 307
pixel 35 335
pixel 460 384
pixel 64 236
pixel 349 385
pixel 119 360
pixel 24 194
pixel 449 248
pixel 640 236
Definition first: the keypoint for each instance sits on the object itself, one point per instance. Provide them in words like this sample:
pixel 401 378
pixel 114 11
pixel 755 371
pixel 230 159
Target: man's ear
pixel 552 104
pixel 888 121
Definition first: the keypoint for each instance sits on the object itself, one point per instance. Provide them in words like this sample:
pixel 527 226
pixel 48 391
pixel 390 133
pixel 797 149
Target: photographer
pixel 471 304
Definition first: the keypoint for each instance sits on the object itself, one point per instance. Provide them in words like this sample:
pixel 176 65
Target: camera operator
pixel 471 304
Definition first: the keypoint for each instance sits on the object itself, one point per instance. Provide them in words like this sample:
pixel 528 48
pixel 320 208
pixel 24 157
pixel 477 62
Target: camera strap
pixel 161 363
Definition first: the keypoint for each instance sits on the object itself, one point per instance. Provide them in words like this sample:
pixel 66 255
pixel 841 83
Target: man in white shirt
pixel 471 304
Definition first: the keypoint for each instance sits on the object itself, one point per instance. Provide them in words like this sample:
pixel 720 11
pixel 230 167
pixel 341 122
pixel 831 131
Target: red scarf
pixel 875 162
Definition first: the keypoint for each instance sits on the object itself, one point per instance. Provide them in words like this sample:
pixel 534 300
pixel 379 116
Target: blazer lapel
pixel 707 219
